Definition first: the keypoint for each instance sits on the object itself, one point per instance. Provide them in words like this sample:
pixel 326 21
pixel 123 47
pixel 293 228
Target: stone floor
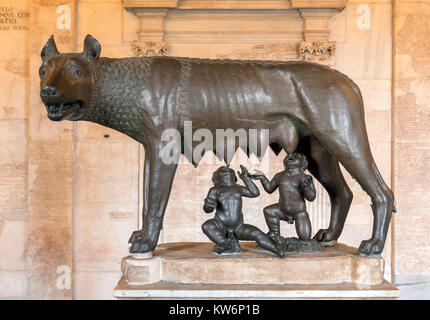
pixel 413 287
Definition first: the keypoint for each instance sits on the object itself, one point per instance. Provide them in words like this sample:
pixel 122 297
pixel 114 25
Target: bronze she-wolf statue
pixel 308 108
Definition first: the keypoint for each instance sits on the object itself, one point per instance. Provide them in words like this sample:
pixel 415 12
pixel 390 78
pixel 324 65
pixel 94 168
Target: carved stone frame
pixel 315 14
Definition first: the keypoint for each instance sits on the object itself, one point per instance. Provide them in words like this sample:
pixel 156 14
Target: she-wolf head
pixel 65 80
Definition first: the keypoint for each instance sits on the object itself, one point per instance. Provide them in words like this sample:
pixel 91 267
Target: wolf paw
pixel 325 235
pixel 139 244
pixel 371 248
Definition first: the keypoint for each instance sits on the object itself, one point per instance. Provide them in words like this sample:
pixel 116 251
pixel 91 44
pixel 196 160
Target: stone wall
pixel 13 155
pixel 71 194
pixel 411 136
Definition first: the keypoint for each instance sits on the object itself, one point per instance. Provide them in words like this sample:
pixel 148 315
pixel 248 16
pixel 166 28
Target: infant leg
pixel 303 225
pixel 215 232
pixel 248 232
pixel 272 215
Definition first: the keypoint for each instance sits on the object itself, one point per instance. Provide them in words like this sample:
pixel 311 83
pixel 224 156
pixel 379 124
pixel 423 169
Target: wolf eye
pixel 74 70
pixel 42 72
pixel 76 73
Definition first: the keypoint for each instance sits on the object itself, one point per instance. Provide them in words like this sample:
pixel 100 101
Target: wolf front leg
pixel 158 179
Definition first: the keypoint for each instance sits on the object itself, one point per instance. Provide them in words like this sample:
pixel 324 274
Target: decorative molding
pixel 236 5
pixel 149 48
pixel 315 24
pixel 151 24
pixel 316 46
pixel 150 35
pixel 317 51
pixel 131 4
pixel 315 14
pixel 319 4
pixel 231 37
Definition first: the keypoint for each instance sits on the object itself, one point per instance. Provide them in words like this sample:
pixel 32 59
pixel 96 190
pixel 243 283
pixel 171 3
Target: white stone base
pixel 169 290
pixel 190 270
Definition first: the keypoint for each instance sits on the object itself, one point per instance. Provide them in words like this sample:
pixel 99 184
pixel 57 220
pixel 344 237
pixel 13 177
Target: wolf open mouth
pixel 58 112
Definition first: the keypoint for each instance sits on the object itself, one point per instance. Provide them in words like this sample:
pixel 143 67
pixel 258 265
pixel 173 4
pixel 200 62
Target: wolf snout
pixel 49 91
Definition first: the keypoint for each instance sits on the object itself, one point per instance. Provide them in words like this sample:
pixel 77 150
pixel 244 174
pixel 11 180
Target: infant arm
pixel 270 186
pixel 210 201
pixel 251 190
pixel 308 188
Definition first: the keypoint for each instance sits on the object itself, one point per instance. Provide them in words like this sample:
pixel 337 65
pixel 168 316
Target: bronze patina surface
pixel 308 108
pixel 228 227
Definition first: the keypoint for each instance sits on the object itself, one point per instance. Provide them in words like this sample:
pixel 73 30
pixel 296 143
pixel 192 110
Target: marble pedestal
pixel 190 270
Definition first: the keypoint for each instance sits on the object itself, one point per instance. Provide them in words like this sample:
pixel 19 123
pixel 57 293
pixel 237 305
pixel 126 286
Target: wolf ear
pixel 49 50
pixel 92 47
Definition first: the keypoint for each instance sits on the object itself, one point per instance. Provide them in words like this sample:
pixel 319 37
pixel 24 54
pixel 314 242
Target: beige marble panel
pixel 13 191
pixel 107 171
pixel 50 220
pixel 360 214
pixel 411 176
pixel 12 33
pixel 101 233
pixel 354 235
pixel 101 19
pixel 13 284
pixel 13 172
pixel 412 57
pixel 13 241
pixel 412 250
pixel 366 54
pixel 95 285
pixel 12 141
pixel 412 117
pixel 337 26
pixel 12 79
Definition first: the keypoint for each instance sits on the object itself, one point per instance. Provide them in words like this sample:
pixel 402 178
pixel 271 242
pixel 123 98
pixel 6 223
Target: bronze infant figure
pixel 294 187
pixel 227 227
pixel 307 108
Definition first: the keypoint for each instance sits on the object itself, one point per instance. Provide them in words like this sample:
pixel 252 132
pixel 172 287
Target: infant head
pixel 224 176
pixel 296 161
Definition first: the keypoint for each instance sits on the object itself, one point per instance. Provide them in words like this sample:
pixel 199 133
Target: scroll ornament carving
pixel 149 48
pixel 317 51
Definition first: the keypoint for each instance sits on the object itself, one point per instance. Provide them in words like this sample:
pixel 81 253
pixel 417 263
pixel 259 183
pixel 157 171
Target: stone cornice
pixel 319 4
pixel 236 5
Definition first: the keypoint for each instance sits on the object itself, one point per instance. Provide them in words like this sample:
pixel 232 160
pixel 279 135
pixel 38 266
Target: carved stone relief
pixel 317 51
pixel 149 48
